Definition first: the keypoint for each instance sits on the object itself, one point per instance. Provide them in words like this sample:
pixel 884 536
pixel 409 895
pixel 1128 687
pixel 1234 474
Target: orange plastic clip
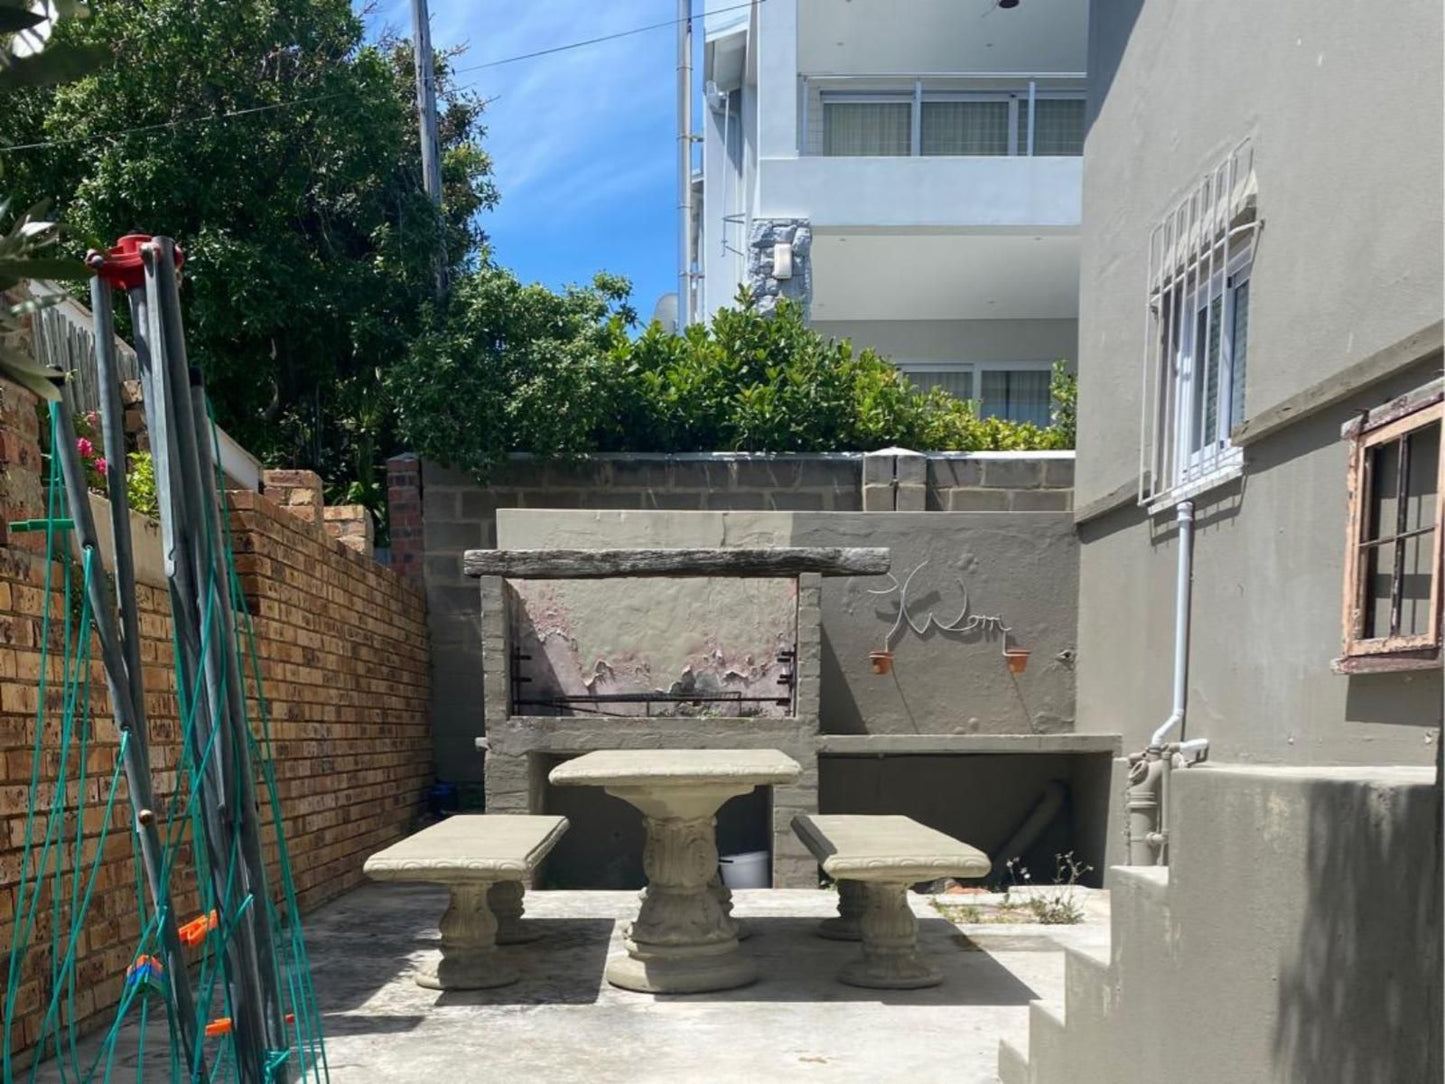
pixel 194 931
pixel 222 1025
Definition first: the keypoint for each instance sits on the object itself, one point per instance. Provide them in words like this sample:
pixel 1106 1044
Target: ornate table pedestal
pixel 683 940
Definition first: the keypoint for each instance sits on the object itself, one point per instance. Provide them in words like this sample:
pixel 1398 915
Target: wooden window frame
pixel 1363 654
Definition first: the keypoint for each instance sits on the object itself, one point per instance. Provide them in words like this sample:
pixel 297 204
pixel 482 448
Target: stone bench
pixel 485 862
pixel 874 859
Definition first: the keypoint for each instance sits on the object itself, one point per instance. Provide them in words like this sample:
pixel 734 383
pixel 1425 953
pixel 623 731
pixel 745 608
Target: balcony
pixel 945 151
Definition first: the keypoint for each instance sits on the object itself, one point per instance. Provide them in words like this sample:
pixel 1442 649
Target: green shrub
pixel 516 368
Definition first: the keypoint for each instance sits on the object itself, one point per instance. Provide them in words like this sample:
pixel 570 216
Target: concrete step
pixel 1013 1066
pixel 1048 1042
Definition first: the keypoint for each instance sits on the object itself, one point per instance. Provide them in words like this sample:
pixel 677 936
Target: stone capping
pixel 470 848
pixel 873 745
pixel 886 848
pixel 676 767
pixel 781 561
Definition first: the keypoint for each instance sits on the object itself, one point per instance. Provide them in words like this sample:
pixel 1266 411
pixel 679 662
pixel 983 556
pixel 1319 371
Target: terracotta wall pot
pixel 1018 660
pixel 882 661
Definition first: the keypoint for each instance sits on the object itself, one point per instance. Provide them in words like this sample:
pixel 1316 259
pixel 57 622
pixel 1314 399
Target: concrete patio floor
pixel 563 1021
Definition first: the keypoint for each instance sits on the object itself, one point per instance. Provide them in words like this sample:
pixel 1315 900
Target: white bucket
pixel 746 870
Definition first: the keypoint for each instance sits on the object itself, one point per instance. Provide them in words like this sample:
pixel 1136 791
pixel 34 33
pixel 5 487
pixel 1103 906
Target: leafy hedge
pixel 522 368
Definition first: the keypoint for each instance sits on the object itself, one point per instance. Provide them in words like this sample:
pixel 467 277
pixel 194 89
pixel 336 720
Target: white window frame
pixel 1020 101
pixel 975 368
pixel 1191 382
pixel 1201 253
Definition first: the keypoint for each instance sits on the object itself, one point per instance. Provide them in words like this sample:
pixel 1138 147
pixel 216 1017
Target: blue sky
pixel 582 141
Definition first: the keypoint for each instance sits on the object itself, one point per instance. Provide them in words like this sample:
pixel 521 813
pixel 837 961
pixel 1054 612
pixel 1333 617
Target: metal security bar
pixel 1195 334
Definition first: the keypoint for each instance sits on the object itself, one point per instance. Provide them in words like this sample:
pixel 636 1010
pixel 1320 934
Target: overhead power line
pixel 208 118
pixel 177 123
pixel 594 41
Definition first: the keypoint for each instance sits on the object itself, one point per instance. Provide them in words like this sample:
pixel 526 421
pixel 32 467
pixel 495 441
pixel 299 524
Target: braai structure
pixel 521 748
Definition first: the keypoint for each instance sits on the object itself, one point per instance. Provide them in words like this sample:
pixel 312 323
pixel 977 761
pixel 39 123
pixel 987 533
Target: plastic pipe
pixel 1183 594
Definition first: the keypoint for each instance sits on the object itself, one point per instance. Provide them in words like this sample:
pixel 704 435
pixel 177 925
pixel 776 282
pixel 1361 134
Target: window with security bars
pixel 1058 127
pixel 1396 525
pixel 867 129
pixel 981 124
pixel 965 128
pixel 1197 348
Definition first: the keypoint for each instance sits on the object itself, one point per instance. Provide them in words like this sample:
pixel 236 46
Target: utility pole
pixel 426 112
pixel 684 164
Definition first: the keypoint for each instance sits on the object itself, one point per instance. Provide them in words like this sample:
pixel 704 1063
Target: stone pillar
pixel 895 480
pixel 350 524
pixel 764 235
pixel 910 481
pixel 878 481
pixel 297 491
pixel 403 500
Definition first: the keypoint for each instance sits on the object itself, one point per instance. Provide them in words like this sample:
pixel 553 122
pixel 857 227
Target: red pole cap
pixel 121 265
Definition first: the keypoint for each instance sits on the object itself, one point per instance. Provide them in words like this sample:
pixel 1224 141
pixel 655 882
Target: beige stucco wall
pixel 1342 101
pixel 1349 262
pixel 1020 567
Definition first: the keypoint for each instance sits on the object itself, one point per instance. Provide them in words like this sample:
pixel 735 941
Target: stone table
pixel 683 941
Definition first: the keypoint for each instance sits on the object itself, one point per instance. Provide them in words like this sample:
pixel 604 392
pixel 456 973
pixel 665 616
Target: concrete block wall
pixel 342 649
pixel 437 513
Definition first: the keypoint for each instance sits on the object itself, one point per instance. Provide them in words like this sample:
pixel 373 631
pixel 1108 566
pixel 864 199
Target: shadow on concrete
pixel 797 965
pixel 563 967
pixel 1360 994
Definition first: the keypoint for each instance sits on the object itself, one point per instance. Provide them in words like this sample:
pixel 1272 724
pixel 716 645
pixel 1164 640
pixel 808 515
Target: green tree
pixel 521 368
pixel 309 240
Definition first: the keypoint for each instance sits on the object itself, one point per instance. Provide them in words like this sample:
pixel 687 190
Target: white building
pixel 918 164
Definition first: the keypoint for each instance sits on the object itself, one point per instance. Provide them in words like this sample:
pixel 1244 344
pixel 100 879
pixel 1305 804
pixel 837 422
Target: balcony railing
pixel 939 114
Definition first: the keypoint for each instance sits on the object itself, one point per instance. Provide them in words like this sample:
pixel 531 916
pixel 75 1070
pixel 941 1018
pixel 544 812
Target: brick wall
pixel 343 655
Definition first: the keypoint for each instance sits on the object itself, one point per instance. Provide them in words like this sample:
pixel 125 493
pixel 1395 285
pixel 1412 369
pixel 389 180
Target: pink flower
pixel 85 448
pixel 100 463
pixel 92 417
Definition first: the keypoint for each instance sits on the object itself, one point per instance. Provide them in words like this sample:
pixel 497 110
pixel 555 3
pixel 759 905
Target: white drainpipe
pixel 1149 771
pixel 1183 595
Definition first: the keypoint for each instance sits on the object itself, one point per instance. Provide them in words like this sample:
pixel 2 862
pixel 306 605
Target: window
pixel 1197 346
pixel 913 122
pixel 1020 395
pixel 1018 392
pixel 966 127
pixel 878 128
pixel 1396 524
pixel 1058 126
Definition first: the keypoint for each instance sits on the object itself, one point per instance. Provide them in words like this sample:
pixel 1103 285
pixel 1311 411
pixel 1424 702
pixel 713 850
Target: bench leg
pixel 469 945
pixel 505 900
pixel 890 959
pixel 845 927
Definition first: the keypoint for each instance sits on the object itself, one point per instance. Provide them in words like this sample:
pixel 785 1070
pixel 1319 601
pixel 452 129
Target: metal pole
pixel 236 706
pixel 130 720
pixel 426 112
pixel 252 1003
pixel 684 163
pixel 112 433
